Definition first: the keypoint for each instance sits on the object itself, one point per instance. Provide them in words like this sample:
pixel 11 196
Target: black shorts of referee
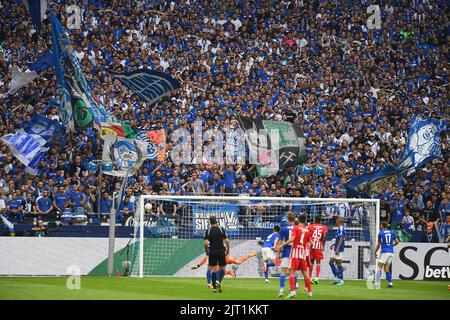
pixel 214 244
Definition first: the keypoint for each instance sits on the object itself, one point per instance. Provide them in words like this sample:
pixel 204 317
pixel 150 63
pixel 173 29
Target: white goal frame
pixel 142 199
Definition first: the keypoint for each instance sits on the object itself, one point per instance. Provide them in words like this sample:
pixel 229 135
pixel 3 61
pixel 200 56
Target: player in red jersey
pixel 318 234
pixel 301 240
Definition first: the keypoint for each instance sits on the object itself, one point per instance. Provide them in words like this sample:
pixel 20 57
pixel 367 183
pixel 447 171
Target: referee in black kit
pixel 216 252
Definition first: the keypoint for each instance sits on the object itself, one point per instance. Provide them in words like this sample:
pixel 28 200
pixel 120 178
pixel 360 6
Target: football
pixel 148 207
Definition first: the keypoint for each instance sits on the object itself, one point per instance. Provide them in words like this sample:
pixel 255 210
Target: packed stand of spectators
pixel 352 89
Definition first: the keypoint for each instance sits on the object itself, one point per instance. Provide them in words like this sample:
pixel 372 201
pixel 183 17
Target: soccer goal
pixel 169 230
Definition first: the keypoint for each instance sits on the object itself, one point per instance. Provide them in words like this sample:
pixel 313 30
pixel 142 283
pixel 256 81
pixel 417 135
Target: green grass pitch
pixel 54 288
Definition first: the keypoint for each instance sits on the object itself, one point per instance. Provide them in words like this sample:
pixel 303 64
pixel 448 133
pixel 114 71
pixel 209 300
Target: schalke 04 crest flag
pixel 423 146
pixel 149 85
pixel 156 139
pixel 156 142
pixel 125 156
pixel 271 155
pixel 423 143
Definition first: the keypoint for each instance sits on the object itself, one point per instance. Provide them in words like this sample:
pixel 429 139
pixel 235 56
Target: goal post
pixel 168 233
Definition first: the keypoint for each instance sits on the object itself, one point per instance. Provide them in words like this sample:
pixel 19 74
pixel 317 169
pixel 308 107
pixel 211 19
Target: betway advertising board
pixel 422 261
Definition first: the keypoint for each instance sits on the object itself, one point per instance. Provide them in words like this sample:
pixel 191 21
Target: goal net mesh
pixel 168 237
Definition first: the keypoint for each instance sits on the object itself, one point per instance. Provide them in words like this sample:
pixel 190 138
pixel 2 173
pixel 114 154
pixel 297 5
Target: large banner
pixel 423 143
pixel 270 155
pixel 149 85
pixel 423 146
pixel 373 183
pixel 227 217
pixel 421 261
pixel 77 104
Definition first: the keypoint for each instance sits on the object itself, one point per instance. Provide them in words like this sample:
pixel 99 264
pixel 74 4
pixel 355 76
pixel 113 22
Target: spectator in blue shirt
pixel 126 210
pixel 14 208
pixel 61 200
pixel 44 206
pixel 105 204
pixel 397 208
pixel 229 177
pixel 416 198
pixel 444 208
pixel 77 197
pixel 217 185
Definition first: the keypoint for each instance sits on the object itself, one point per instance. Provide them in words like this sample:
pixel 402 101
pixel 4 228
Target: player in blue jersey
pixel 284 235
pixel 386 240
pixel 336 256
pixel 268 252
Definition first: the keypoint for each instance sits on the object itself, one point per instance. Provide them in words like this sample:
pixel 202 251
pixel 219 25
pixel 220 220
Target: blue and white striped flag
pixel 30 143
pixel 36 9
pixel 78 105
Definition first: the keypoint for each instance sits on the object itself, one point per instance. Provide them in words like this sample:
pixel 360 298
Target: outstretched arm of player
pixel 202 262
pixel 396 242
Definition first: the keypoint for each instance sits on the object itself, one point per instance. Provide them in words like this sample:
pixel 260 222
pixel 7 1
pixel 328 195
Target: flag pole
pixel 112 224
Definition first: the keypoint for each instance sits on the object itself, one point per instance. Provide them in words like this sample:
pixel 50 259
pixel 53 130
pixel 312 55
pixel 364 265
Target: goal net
pixel 169 230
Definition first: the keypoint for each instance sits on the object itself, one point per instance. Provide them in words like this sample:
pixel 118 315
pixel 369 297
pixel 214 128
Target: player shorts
pixel 268 254
pixel 217 258
pixel 386 258
pixel 285 262
pixel 298 264
pixel 316 254
pixel 338 256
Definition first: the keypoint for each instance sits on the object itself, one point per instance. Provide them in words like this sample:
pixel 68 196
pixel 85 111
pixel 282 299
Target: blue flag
pixel 46 61
pixel 30 143
pixel 373 183
pixel 423 143
pixel 77 104
pixel 423 146
pixel 149 85
pixel 36 9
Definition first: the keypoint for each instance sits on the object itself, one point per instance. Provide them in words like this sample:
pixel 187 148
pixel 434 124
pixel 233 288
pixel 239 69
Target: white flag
pixel 7 223
pixel 124 155
pixel 20 79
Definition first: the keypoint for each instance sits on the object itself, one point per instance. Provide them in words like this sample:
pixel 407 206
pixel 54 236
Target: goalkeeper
pixel 229 260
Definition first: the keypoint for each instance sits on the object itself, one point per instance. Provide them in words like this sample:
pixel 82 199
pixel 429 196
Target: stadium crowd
pixel 352 89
